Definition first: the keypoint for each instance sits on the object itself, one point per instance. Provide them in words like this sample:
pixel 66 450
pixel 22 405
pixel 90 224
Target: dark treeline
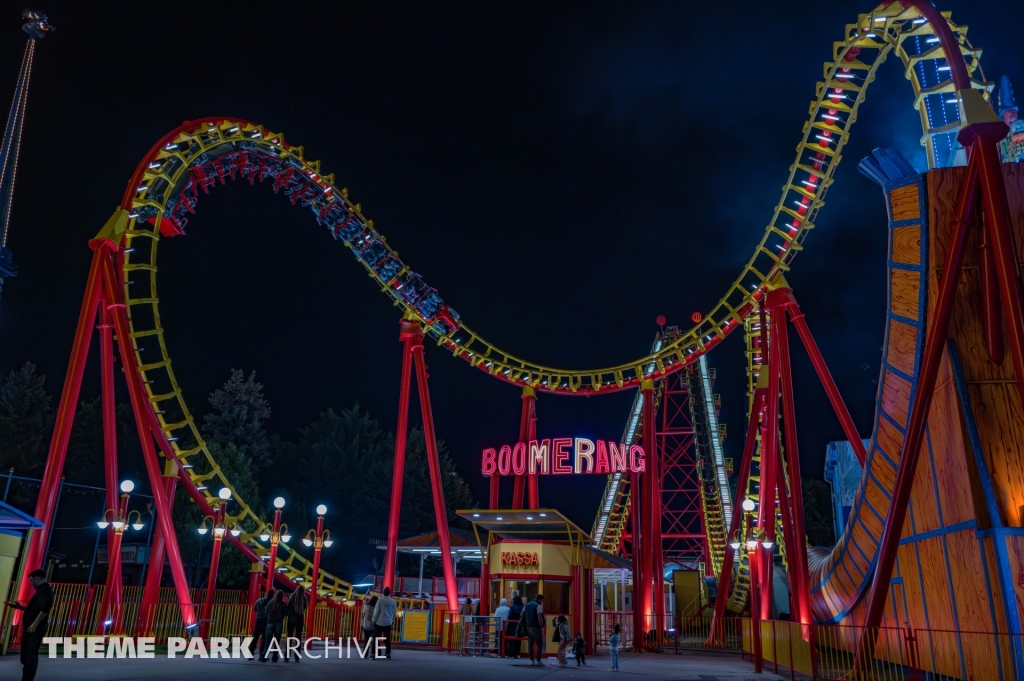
pixel 343 459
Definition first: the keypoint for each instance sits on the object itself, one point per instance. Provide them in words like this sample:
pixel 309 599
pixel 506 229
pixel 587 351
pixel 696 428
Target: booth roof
pixel 606 561
pixel 458 539
pixel 539 523
pixel 12 518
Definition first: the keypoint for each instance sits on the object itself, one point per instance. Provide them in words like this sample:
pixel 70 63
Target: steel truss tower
pixel 37 26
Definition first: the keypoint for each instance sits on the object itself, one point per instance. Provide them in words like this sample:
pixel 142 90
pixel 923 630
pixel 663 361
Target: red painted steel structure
pixel 151 591
pixel 318 544
pixel 109 418
pixel 102 284
pixel 109 605
pixel 411 336
pixel 780 492
pixel 683 532
pixel 651 544
pixel 211 583
pixel 527 433
pixel 275 539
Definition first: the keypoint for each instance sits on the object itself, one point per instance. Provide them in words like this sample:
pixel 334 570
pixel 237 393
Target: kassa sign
pixel 564 456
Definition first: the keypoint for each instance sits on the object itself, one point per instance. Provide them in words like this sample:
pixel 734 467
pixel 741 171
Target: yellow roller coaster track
pixel 156 192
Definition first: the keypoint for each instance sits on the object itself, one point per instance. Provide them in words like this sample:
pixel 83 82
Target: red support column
pixel 532 489
pixel 655 572
pixel 754 552
pixel 440 510
pixel 318 544
pixel 275 539
pixel 484 607
pixel 151 591
pixel 525 423
pixel 410 335
pixel 109 433
pixel 211 582
pixel 140 406
pixel 636 554
pixel 109 610
pixel 845 420
pixel 255 572
pixel 46 504
pixel 797 550
pixel 769 456
pixel 717 636
pixel 990 314
pixel 984 138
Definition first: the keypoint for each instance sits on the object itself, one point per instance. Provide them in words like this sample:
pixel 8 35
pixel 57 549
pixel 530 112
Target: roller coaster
pixel 851 583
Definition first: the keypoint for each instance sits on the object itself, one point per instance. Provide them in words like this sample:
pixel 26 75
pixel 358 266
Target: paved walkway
pixel 407 663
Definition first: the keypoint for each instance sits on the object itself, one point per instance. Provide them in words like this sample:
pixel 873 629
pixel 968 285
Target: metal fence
pixel 76 612
pixel 828 652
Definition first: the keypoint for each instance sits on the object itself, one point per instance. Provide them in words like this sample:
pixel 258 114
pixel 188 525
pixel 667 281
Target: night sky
pixel 561 173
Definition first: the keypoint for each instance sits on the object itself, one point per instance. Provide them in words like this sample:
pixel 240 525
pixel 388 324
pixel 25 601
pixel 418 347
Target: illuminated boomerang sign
pixel 564 456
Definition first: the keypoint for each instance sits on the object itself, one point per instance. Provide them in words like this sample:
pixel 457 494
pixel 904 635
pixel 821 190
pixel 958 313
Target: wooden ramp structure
pixel 959 565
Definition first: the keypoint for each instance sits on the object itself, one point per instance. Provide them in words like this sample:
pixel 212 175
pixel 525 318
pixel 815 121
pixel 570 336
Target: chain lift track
pixel 201 154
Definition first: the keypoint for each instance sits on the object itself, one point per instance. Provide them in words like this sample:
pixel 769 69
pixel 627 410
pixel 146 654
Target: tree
pixel 818 514
pixel 26 421
pixel 240 410
pixel 345 460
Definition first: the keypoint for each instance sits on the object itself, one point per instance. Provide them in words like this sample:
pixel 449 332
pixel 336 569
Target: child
pixel 579 649
pixel 613 642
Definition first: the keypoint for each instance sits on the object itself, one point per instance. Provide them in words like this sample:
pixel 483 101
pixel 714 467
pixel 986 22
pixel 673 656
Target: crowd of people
pixel 518 622
pixel 272 610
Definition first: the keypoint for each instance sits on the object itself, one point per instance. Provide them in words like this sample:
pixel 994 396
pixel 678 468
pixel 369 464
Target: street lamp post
pixel 118 519
pixel 217 521
pixel 319 539
pixel 751 546
pixel 275 538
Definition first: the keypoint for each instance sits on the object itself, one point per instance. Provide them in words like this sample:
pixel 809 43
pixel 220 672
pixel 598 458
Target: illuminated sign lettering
pixel 519 558
pixel 564 456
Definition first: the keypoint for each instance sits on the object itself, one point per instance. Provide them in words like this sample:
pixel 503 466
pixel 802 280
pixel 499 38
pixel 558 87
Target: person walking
pixel 533 618
pixel 276 611
pixel 501 612
pixel 34 623
pixel 579 649
pixel 613 646
pixel 564 639
pixel 260 627
pixel 366 624
pixel 383 618
pixel 515 612
pixel 297 606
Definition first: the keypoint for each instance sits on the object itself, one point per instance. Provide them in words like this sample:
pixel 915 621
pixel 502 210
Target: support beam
pixel 140 407
pixel 49 487
pixel 434 463
pixel 409 337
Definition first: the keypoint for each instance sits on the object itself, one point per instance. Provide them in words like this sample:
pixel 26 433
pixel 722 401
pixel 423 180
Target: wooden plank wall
pixel 960 565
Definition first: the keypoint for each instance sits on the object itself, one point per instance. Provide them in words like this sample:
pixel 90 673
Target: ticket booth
pixel 530 552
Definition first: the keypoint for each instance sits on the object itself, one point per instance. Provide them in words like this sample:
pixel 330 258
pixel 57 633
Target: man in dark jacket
pixel 533 616
pixel 34 623
pixel 260 627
